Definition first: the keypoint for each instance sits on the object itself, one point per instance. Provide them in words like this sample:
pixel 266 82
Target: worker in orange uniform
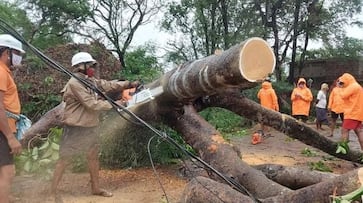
pixel 352 95
pixel 335 107
pixel 301 98
pixel 268 98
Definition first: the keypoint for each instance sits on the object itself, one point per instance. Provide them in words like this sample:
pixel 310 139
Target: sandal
pixel 103 193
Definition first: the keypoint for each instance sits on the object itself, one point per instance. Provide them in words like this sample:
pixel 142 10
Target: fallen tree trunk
pixel 239 66
pixel 49 120
pixel 247 108
pixel 213 149
pixel 322 192
pixel 293 177
pixel 201 189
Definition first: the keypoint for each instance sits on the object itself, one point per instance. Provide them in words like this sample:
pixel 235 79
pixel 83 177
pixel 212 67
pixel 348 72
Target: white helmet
pixel 9 41
pixel 82 57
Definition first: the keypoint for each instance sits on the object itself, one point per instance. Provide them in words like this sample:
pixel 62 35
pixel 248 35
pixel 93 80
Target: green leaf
pixel 342 147
pixel 44 146
pixel 55 156
pixel 45 162
pixel 48 153
pixel 35 153
pixel 55 146
pixel 28 166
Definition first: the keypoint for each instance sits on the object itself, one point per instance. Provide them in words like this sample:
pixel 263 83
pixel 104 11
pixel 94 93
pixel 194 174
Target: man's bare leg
pixel 94 167
pixel 7 174
pixel 332 126
pixel 58 173
pixel 345 134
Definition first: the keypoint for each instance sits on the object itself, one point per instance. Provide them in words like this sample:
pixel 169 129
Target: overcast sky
pixel 150 32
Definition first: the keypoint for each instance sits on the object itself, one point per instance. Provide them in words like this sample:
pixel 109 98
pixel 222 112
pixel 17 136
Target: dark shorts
pixel 336 115
pixel 321 114
pixel 352 124
pixel 301 117
pixel 78 141
pixel 5 157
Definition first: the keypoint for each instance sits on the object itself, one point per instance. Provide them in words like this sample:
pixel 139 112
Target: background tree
pixel 53 22
pixel 289 24
pixel 114 22
pixel 347 48
pixel 143 65
pixel 206 26
pixel 16 17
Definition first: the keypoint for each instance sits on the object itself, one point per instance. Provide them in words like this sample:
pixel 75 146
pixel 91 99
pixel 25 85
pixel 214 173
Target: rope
pixel 152 165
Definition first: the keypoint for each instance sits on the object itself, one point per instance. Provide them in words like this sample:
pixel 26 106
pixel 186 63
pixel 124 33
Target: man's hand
pixel 14 145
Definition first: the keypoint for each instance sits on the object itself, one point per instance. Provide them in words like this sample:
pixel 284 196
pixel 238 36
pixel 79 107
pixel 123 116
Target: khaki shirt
pixel 83 106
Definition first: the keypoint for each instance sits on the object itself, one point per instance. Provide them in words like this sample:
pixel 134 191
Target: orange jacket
pixel 267 96
pixel 335 101
pixel 301 99
pixel 352 95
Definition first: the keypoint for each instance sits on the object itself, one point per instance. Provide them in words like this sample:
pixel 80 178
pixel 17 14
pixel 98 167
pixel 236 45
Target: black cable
pixel 152 165
pixel 119 108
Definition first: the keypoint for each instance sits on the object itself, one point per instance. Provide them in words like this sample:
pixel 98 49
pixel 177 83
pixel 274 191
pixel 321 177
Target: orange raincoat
pixel 335 101
pixel 301 99
pixel 267 96
pixel 352 95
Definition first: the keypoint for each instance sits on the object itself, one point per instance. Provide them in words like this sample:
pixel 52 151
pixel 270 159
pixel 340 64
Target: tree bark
pixel 213 149
pixel 49 120
pixel 293 177
pixel 201 190
pixel 206 190
pixel 321 192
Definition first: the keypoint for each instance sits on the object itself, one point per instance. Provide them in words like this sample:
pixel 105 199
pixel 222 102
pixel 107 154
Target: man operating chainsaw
pixel 81 119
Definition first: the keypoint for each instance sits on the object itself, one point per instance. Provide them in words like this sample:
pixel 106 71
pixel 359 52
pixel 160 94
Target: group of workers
pixel 80 117
pixel 344 100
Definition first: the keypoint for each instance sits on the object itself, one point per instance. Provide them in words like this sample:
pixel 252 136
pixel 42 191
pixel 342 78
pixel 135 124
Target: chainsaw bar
pixel 144 96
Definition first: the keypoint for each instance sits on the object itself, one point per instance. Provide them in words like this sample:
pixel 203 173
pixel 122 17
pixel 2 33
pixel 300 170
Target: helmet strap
pixel 10 56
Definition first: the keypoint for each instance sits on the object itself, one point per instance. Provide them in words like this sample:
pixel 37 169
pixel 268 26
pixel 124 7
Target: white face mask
pixel 16 59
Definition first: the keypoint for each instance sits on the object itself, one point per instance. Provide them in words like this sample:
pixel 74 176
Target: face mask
pixel 16 59
pixel 90 72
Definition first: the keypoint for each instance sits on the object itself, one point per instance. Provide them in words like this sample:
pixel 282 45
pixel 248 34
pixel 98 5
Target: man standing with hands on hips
pixel 10 55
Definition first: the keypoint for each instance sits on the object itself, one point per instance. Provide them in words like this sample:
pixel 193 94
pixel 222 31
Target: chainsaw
pixel 259 136
pixel 143 95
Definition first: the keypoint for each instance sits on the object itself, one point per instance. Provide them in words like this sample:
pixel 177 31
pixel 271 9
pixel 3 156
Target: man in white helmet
pixel 10 55
pixel 81 120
